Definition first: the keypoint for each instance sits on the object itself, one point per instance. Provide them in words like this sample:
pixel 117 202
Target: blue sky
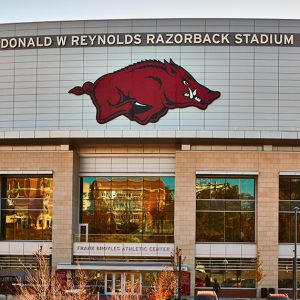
pixel 54 10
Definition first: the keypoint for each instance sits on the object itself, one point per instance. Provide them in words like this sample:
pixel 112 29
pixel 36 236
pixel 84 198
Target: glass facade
pixel 230 272
pixel 128 209
pixel 26 208
pixel 285 273
pixel 289 197
pixel 225 209
pixel 115 282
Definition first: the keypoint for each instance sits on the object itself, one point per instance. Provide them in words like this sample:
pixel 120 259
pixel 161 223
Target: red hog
pixel 145 91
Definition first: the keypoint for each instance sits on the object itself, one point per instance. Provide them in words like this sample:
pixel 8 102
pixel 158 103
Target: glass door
pixel 122 283
pixel 132 283
pixel 109 286
pixel 118 283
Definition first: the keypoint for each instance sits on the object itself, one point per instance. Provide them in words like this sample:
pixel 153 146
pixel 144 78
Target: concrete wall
pixel 268 164
pixel 65 195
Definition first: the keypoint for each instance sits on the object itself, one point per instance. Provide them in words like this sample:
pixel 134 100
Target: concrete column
pixel 185 210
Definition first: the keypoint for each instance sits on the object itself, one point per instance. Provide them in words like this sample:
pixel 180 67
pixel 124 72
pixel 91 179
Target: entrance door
pixel 113 283
pixel 132 283
pixel 122 283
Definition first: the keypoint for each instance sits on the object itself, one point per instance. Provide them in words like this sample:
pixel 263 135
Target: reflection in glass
pixel 233 205
pixel 247 227
pixel 248 205
pixel 247 188
pixel 217 205
pixel 285 228
pixel 209 226
pixel 232 188
pixel 109 283
pixel 203 205
pixel 289 197
pixel 118 283
pixel 232 227
pixel 26 208
pixel 227 212
pixel 284 188
pixel 285 279
pixel 225 188
pixel 133 209
pixel 295 188
pixel 236 273
pixel 285 273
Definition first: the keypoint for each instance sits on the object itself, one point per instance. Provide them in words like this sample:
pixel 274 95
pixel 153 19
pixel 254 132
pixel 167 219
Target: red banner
pixel 185 283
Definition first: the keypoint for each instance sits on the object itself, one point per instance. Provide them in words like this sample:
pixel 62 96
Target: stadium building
pixel 123 139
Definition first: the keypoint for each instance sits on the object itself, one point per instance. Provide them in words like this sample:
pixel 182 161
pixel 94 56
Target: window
pixel 230 272
pixel 285 272
pixel 225 209
pixel 128 209
pixel 289 197
pixel 26 208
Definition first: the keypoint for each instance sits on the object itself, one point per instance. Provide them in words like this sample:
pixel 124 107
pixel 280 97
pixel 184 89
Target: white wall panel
pixel 259 85
pixel 126 164
pixel 225 250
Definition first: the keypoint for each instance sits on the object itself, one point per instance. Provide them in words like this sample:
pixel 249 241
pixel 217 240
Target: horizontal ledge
pixel 105 174
pixel 26 172
pixel 137 154
pixel 118 267
pixel 290 173
pixel 203 172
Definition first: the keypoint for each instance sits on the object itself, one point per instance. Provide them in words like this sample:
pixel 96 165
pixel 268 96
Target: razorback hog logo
pixel 145 91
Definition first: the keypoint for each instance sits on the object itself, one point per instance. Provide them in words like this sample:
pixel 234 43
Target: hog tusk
pixel 139 104
pixel 195 92
pixel 191 94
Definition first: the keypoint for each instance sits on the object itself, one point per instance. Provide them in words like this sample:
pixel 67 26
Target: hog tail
pixel 87 88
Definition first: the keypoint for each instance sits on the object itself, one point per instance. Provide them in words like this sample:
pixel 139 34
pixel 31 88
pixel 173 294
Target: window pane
pixel 210 227
pixel 232 188
pixel 135 191
pixel 232 227
pixel 248 279
pixel 233 205
pixel 217 205
pixel 21 225
pixel 295 188
pixel 285 228
pixel 247 188
pixel 203 187
pixel 285 279
pixel 232 279
pixel 284 205
pixel 295 204
pixel 36 226
pixel 284 188
pixel 30 203
pixel 225 200
pixel 167 190
pixel 102 188
pixel 289 193
pixel 248 227
pixel 8 220
pixel 118 283
pixel 132 209
pixel 217 188
pixel 202 227
pixel 248 205
pixel 203 204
